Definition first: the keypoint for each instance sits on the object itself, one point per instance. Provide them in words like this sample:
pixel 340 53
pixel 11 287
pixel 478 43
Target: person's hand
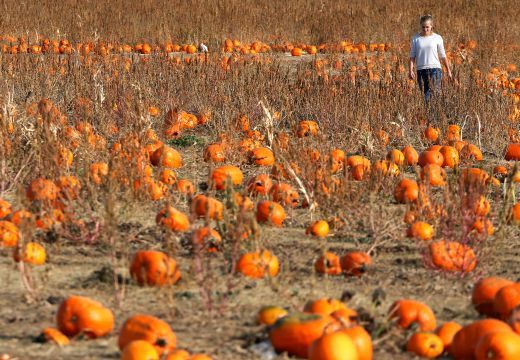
pixel 411 75
pixel 450 76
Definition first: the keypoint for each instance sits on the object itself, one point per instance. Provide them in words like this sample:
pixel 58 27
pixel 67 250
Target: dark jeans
pixel 429 79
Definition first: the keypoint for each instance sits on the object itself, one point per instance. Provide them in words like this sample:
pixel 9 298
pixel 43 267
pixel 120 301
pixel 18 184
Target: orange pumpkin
pixel 5 208
pixel 426 345
pixel 362 341
pixel 431 134
pixel 285 194
pixel 307 128
pixel 466 339
pixel 207 238
pixel 406 191
pixel 318 228
pixel 325 306
pixel 81 315
pixel 215 153
pixel 260 184
pixel 295 332
pixel 150 329
pixel 270 212
pixel 513 152
pixel 409 312
pixel 506 299
pixel 420 230
pixel 42 189
pixel 220 175
pixel 452 256
pixel 154 268
pixel 355 263
pixel 9 234
pixel 498 345
pixel 447 332
pixel 261 156
pixel 32 253
pixel 332 346
pixel 471 152
pixel 450 156
pixel 172 219
pixel 328 264
pixel 431 157
pixel 484 292
pixel 257 265
pixel 411 156
pixel 204 206
pixel 167 157
pixel 434 174
pixel 139 350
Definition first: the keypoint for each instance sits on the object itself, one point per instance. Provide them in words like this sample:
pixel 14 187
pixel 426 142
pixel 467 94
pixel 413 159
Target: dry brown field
pixel 113 125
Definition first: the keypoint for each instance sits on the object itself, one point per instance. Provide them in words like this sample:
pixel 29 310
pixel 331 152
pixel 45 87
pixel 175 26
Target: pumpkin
pixel 150 329
pixel 431 157
pixel 268 315
pixel 355 263
pixel 362 341
pixel 167 157
pixel 185 186
pixel 9 234
pixel 206 238
pixel 261 156
pixel 434 174
pixel 513 152
pixel 154 268
pixel 484 292
pixel 98 171
pixel 139 350
pixel 332 346
pixel 178 354
pixel 172 219
pixel 426 345
pixel 450 156
pixel 409 312
pixel 465 340
pixel 168 177
pixel 354 160
pixel 471 152
pixel 411 156
pixel 32 253
pixel 447 332
pixel 80 315
pixel 515 213
pixel 295 332
pixel 205 206
pixel 307 128
pixel 328 264
pixel 452 256
pixel 5 208
pixel 498 345
pixel 395 156
pixel 324 306
pixel 358 172
pixel 69 187
pixel 215 153
pixel 337 159
pixel 260 184
pixel 220 175
pixel 506 299
pixel 257 265
pixel 420 230
pixel 453 133
pixel 296 51
pixel 42 189
pixel 270 212
pixel 431 134
pixel 285 194
pixel 318 228
pixel 406 191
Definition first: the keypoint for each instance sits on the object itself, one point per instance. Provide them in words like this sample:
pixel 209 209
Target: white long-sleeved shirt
pixel 427 51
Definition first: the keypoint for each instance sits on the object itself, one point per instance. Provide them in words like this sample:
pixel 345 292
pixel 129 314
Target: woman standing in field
pixel 427 52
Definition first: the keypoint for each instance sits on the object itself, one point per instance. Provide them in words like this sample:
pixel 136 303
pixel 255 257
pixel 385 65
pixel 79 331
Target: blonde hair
pixel 425 18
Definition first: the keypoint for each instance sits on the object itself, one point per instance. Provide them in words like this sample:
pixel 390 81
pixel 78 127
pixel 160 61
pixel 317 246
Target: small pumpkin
pixel 270 212
pixel 355 263
pixel 167 157
pixel 9 234
pixel 318 228
pixel 411 156
pixel 150 329
pixel 260 184
pixel 139 350
pixel 215 153
pixel 206 238
pixel 268 315
pixel 53 335
pixel 452 256
pixel 447 332
pixel 409 312
pixel 81 315
pixel 257 265
pixel 262 156
pixel 154 268
pixel 328 264
pixel 434 174
pixel 220 175
pixel 406 191
pixel 513 152
pixel 431 157
pixel 172 219
pixel 420 230
pixel 426 345
pixel 206 206
pixel 506 299
pixel 41 189
pixel 324 306
pixel 32 253
pixel 307 128
pixel 285 194
pixel 5 208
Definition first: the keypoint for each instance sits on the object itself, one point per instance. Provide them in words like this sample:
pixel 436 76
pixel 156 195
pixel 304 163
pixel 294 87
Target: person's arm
pixel 444 58
pixel 411 72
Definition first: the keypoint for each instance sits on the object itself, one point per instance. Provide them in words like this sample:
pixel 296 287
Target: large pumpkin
pixel 154 268
pixel 80 315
